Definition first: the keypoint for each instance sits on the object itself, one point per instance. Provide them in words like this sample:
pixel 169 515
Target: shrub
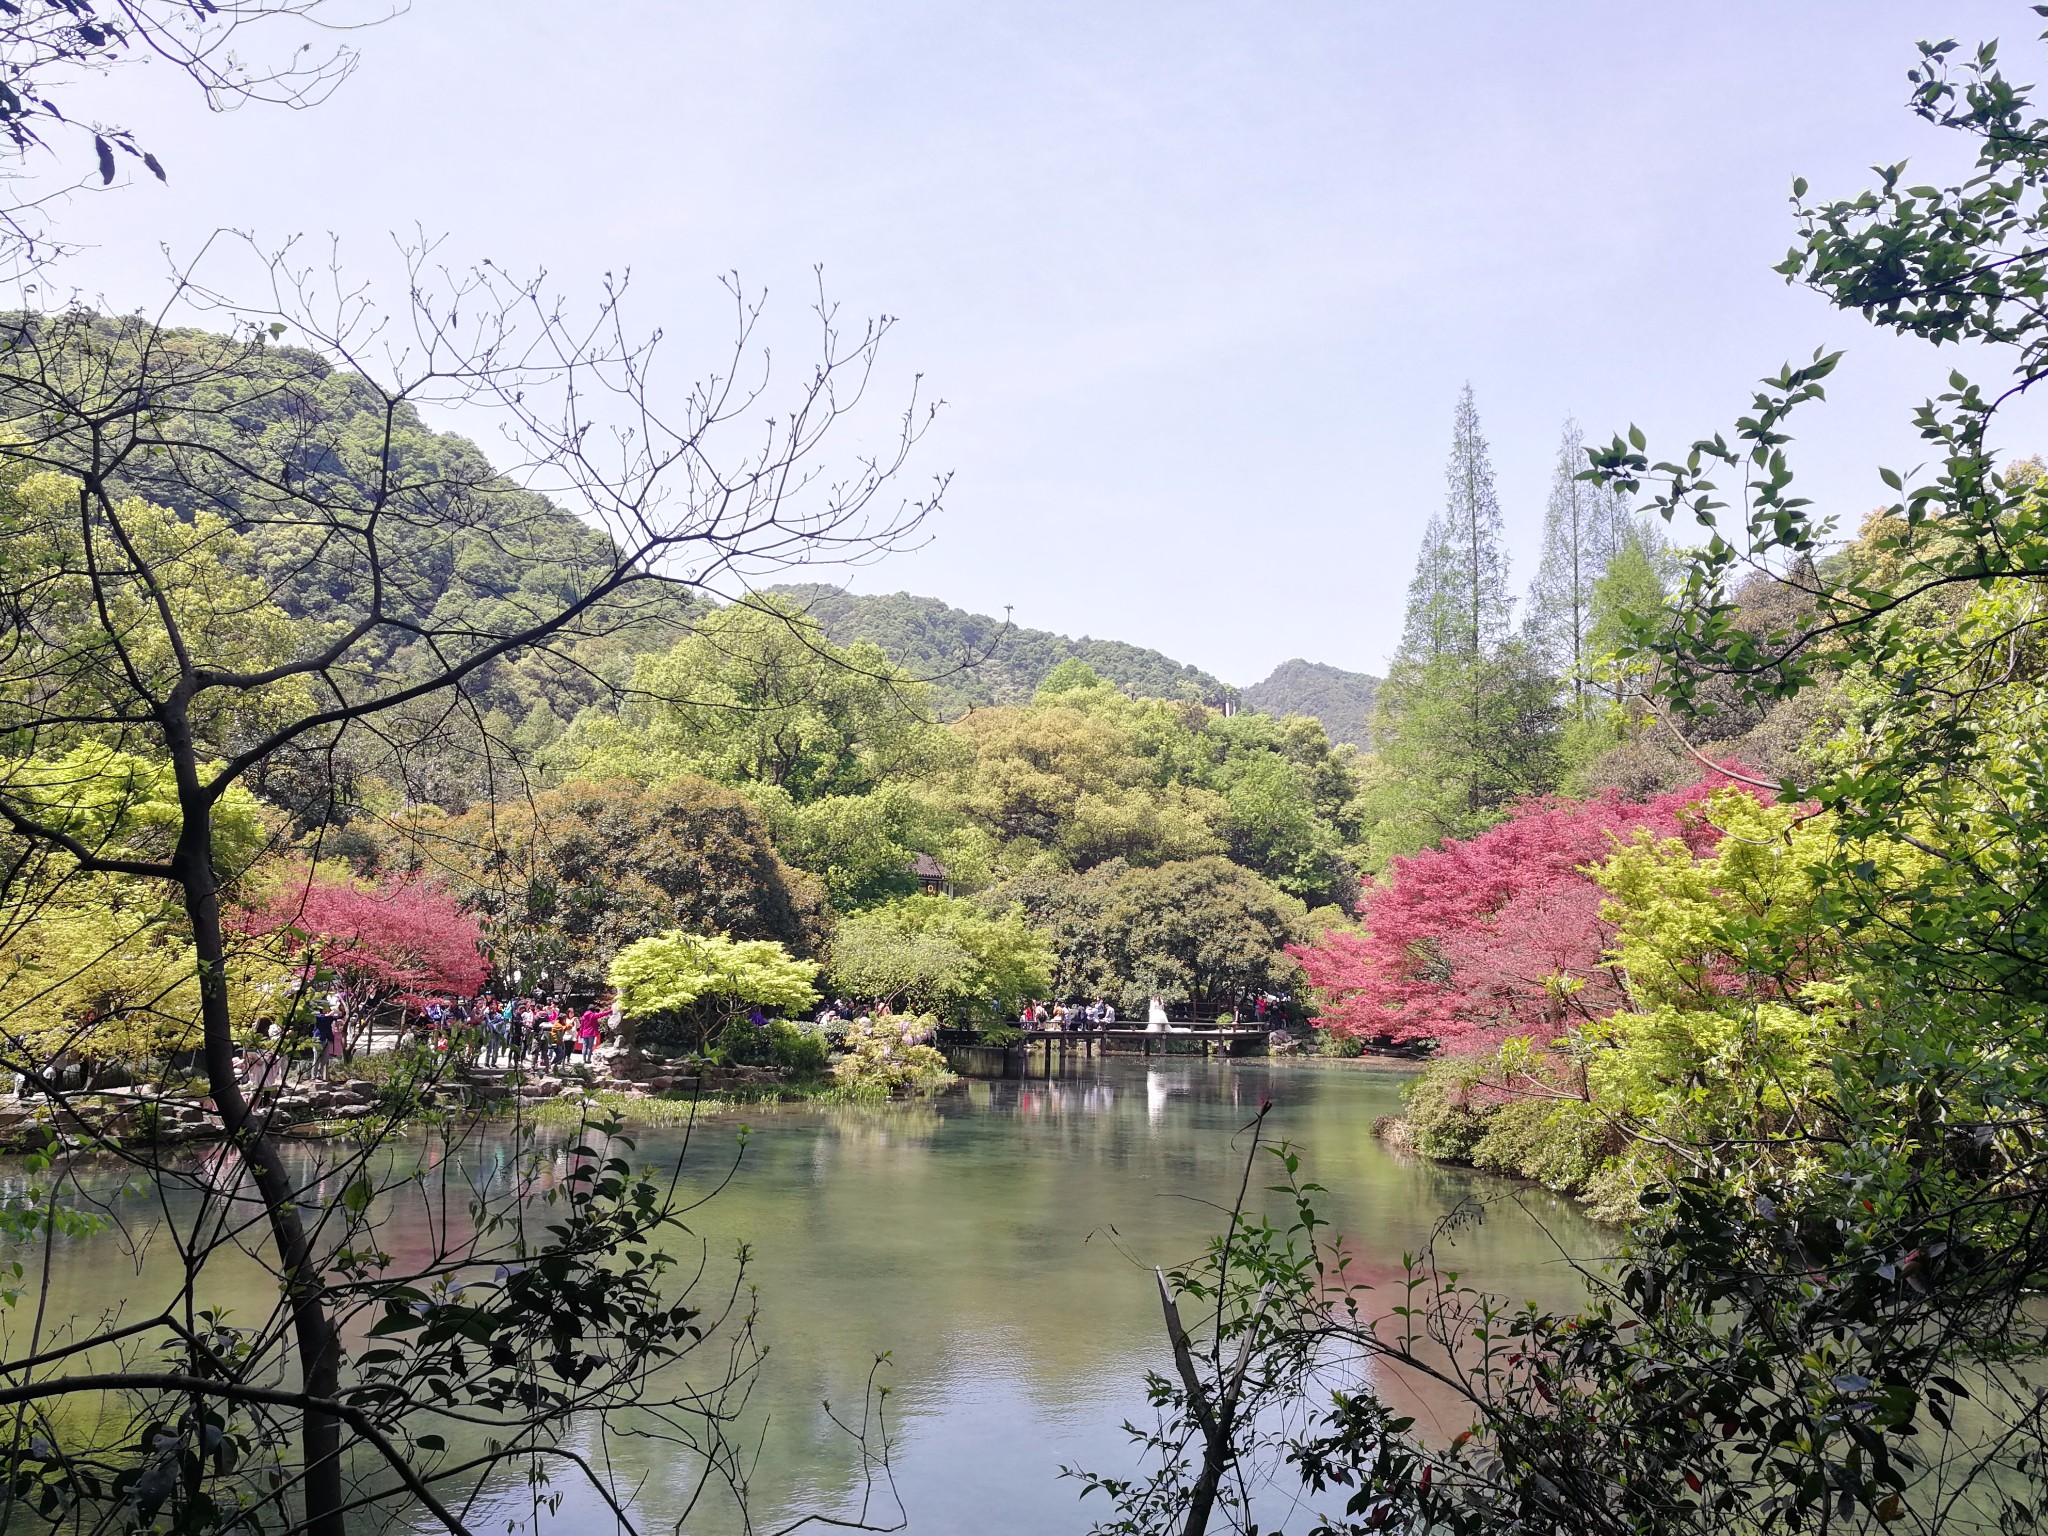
pixel 891 1054
pixel 797 1051
pixel 1001 1034
pixel 1445 1120
pixel 788 1047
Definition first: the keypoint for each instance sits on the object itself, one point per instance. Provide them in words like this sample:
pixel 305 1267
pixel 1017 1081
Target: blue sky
pixel 1199 283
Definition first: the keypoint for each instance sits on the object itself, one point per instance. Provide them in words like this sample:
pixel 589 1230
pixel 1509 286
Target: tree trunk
pixel 299 1272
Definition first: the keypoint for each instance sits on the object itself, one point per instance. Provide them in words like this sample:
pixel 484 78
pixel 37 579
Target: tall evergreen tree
pixel 1458 602
pixel 1584 528
pixel 1467 719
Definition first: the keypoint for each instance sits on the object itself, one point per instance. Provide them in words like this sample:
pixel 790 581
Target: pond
pixel 994 1243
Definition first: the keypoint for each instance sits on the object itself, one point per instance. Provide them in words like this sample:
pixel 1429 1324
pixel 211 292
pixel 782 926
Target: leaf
pixel 106 154
pixel 156 168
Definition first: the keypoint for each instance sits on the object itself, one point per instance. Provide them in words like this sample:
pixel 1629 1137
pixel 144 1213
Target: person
pixel 1259 1010
pixel 1024 1019
pixel 323 1041
pixel 1108 1012
pixel 588 1028
pixel 1155 1015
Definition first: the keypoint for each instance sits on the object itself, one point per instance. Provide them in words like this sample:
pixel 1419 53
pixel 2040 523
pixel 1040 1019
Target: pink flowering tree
pixel 1494 936
pixel 399 942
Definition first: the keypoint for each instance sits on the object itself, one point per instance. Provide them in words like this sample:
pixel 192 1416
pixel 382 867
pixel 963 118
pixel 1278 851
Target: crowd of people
pixel 1100 1014
pixel 512 1032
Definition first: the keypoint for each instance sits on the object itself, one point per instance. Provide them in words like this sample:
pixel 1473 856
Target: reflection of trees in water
pixel 993 1240
pixel 911 1124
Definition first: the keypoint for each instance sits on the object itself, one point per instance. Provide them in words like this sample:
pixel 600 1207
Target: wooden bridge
pixel 1039 1049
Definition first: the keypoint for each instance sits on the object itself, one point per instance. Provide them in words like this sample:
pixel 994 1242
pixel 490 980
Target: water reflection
pixel 993 1243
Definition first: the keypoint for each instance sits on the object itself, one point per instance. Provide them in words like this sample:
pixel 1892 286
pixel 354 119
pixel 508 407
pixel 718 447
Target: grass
pixel 677 1108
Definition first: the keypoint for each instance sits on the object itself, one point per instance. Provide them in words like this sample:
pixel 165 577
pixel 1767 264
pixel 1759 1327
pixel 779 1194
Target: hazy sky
pixel 1199 283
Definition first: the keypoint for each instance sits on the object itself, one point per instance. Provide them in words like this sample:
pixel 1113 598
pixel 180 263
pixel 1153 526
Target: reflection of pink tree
pixel 1494 936
pixel 403 942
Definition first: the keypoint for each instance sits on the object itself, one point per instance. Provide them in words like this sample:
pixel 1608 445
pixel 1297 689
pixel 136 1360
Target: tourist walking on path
pixel 323 1041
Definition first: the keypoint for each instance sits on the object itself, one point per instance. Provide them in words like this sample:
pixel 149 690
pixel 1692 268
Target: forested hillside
pixel 1342 700
pixel 929 639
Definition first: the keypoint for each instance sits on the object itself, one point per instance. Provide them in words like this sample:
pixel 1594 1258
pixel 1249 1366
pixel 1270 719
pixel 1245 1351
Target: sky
pixel 1198 283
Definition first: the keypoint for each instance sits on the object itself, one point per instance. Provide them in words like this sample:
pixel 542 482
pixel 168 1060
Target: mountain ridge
pixel 936 640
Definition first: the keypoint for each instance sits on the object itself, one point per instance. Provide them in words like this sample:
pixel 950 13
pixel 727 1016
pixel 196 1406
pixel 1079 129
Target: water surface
pixel 995 1243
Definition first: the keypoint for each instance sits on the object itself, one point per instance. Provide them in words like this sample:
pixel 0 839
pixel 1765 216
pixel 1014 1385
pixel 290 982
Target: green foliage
pixel 1203 931
pixel 1458 743
pixel 1458 603
pixel 776 1043
pixel 1339 701
pixel 888 1054
pixel 103 963
pixel 941 955
pixel 698 981
pixel 757 695
pixel 865 847
pixel 1087 774
pixel 567 879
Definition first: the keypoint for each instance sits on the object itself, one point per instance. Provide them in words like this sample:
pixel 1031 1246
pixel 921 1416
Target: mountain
pixel 1341 700
pixel 949 644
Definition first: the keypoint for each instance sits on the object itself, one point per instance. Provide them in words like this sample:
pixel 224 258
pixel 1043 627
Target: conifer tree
pixel 1584 528
pixel 1458 603
pixel 1467 719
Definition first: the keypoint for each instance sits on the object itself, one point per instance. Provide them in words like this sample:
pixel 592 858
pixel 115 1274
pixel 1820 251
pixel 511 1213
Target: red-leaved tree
pixel 1493 936
pixel 400 942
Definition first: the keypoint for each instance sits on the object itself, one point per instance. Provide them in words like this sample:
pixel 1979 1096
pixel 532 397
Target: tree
pixel 1466 722
pixel 865 847
pixel 698 982
pixel 1586 527
pixel 1200 932
pixel 1075 784
pixel 399 942
pixel 100 967
pixel 757 695
pixel 46 44
pixel 102 647
pixel 1496 935
pixel 1457 743
pixel 566 880
pixel 941 955
pixel 1458 603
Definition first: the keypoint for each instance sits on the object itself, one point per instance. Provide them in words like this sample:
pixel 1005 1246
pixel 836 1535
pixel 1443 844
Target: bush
pixel 798 1051
pixel 743 1043
pixel 1458 1112
pixel 787 1047
pixel 1445 1121
pixel 1560 1143
pixel 890 1055
pixel 1323 1043
pixel 1001 1034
